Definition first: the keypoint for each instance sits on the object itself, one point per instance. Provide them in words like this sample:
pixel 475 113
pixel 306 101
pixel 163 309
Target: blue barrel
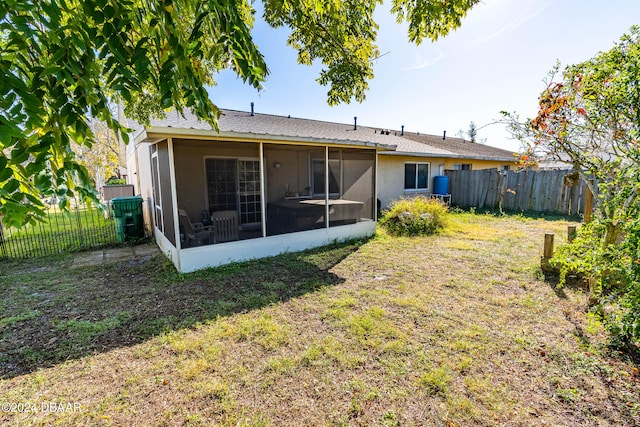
pixel 441 184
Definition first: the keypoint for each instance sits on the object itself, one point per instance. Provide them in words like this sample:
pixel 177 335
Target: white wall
pixel 192 259
pixel 391 177
pixel 139 168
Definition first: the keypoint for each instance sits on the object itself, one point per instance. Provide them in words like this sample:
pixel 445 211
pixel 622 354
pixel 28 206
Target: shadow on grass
pixel 52 313
pixel 572 281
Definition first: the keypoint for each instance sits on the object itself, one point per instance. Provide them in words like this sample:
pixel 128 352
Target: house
pixel 410 169
pixel 271 184
pixel 267 184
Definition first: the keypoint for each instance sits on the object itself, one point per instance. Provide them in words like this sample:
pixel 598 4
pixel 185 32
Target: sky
pixel 496 61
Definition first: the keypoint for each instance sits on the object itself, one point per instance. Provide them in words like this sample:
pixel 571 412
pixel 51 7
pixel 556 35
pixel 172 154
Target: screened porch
pixel 247 196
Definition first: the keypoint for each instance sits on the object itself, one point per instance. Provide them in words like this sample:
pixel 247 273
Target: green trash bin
pixel 127 214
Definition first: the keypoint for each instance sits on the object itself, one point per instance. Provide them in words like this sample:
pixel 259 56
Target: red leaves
pixel 577 80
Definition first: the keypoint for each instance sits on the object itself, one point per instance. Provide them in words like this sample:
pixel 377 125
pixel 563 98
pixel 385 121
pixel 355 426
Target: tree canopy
pixel 63 61
pixel 589 116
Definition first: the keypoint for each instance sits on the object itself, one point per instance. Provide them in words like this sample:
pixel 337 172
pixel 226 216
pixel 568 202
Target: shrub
pixel 614 274
pixel 415 217
pixel 116 181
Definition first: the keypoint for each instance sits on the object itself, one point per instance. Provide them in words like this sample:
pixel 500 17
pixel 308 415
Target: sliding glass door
pixel 234 184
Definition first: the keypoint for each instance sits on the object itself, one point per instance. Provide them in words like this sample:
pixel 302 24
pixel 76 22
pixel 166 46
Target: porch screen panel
pixel 295 187
pixel 249 187
pixel 155 184
pixel 357 201
pixel 221 184
pixel 165 190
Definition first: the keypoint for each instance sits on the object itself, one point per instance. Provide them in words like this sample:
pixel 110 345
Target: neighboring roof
pixel 426 145
pixel 233 123
pixel 266 126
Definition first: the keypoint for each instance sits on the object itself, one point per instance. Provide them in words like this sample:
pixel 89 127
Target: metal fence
pixel 80 228
pixel 552 192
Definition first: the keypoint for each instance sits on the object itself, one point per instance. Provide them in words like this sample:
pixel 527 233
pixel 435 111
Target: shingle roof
pixel 278 127
pixel 281 127
pixel 427 144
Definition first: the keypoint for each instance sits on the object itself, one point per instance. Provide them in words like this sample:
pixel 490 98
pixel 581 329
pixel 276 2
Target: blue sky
pixel 497 60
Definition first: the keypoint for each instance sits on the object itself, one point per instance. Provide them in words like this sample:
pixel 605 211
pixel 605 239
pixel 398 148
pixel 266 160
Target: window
pixel 317 177
pixel 234 184
pixel 462 166
pixel 504 168
pixel 416 176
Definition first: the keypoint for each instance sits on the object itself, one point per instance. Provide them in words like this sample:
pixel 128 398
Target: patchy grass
pixel 454 329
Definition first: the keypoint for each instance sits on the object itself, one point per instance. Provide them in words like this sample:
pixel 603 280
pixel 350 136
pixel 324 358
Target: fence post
pixel 3 250
pixel 547 253
pixel 81 240
pixel 571 233
pixel 548 246
pixel 502 185
pixel 588 202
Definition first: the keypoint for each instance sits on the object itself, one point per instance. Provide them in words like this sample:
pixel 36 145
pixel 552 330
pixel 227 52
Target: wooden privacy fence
pixel 554 192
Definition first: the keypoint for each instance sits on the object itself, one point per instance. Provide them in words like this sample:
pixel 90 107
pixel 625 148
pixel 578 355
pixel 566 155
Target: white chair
pixel 194 232
pixel 225 226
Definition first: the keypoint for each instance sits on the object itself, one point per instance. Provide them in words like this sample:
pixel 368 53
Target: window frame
pixel 338 179
pixel 416 188
pixel 462 166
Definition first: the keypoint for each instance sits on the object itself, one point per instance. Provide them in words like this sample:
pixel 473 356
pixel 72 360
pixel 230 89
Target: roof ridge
pixel 291 117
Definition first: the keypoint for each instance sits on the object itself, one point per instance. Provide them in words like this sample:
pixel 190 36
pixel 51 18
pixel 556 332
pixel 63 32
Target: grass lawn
pixel 61 232
pixel 457 329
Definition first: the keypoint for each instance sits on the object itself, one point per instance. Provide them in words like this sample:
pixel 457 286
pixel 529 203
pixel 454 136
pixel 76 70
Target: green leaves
pixel 342 34
pixel 431 19
pixel 590 115
pixel 63 61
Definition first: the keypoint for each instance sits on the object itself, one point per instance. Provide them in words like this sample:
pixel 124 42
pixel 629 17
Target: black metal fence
pixel 80 228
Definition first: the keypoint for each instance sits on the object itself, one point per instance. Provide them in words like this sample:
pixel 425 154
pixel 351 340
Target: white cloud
pixel 514 24
pixel 422 62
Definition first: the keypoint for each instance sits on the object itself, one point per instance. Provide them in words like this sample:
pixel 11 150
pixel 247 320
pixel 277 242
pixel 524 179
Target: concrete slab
pixel 88 259
pixel 116 254
pixel 136 254
pixel 145 250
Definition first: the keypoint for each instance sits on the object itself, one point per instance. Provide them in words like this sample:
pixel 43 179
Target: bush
pixel 116 181
pixel 415 217
pixel 614 274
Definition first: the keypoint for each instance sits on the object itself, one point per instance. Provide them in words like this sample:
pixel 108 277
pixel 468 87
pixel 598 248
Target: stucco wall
pixel 391 174
pixel 293 170
pixel 477 164
pixel 139 168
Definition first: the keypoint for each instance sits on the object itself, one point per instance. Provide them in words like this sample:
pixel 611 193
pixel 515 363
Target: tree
pixel 589 115
pixel 101 159
pixel 472 133
pixel 62 61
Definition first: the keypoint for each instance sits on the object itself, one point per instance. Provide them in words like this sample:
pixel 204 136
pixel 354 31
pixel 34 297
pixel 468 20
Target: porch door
pixel 234 184
pixel 249 192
